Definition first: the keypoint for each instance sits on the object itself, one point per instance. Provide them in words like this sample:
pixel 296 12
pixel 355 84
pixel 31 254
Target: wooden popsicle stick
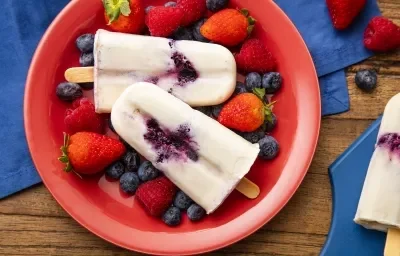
pixel 85 75
pixel 392 247
pixel 79 75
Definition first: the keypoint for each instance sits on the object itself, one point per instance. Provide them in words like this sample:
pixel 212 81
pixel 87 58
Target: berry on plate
pixel 156 195
pixel 271 82
pixel 216 5
pixel 129 182
pixel 170 4
pixel 68 91
pixel 172 217
pixel 253 80
pixel 131 160
pixel 163 21
pixel 196 31
pixel 195 212
pixel 89 152
pixel 126 16
pixel 366 80
pixel 240 88
pixel 147 171
pixel 343 12
pixel 255 57
pixel 228 27
pixel 183 33
pixel 270 124
pixel 182 201
pixel 216 110
pixel 115 170
pixel 253 137
pixel 382 35
pixel 85 43
pixel 83 117
pixel 269 148
pixel 86 59
pixel 193 10
pixel 206 110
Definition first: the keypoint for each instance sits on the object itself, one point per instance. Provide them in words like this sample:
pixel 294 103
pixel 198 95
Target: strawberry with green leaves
pixel 125 16
pixel 89 152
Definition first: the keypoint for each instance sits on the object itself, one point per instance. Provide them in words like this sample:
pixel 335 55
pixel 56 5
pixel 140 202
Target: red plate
pixel 97 203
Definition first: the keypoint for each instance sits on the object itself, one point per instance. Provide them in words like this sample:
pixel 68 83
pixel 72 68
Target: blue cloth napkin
pixel 332 50
pixel 22 24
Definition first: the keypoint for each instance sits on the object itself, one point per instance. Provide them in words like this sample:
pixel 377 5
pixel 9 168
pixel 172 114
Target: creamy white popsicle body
pixel 200 74
pixel 379 205
pixel 202 157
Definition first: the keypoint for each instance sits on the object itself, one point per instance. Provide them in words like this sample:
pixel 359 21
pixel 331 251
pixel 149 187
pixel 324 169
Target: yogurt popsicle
pixel 202 157
pixel 200 74
pixel 379 205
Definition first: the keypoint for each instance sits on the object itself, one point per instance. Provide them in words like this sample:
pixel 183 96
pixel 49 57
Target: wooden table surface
pixel 299 229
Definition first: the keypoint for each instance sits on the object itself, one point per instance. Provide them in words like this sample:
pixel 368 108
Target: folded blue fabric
pixel 332 50
pixel 22 24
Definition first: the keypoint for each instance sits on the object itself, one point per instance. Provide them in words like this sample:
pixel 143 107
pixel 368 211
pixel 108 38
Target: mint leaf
pixel 125 8
pixel 260 93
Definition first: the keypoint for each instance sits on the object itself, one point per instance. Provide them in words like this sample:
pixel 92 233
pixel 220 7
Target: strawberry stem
pixel 64 156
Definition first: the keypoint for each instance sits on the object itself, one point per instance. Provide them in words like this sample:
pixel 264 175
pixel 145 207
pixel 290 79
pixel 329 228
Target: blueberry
pixel 195 212
pixel 271 82
pixel 183 34
pixel 216 5
pixel 110 125
pixel 182 201
pixel 172 217
pixel 196 31
pixel 269 126
pixel 205 110
pixel 129 182
pixel 253 80
pixel 216 110
pixel 86 60
pixel 85 43
pixel 115 170
pixel 240 88
pixel 170 4
pixel 269 148
pixel 147 171
pixel 69 91
pixel 87 86
pixel 131 160
pixel 366 80
pixel 148 8
pixel 253 137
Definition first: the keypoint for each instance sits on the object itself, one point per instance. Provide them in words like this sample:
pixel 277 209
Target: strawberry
pixel 163 21
pixel 156 195
pixel 83 117
pixel 125 16
pixel 89 152
pixel 382 35
pixel 193 10
pixel 255 57
pixel 245 112
pixel 228 27
pixel 343 12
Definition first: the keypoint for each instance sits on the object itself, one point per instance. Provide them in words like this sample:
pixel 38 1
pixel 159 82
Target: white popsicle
pixel 202 157
pixel 200 74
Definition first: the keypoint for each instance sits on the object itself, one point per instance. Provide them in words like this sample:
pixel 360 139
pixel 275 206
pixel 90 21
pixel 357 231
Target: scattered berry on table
pixel 366 80
pixel 254 56
pixel 68 91
pixel 269 147
pixel 87 86
pixel 172 217
pixel 216 110
pixel 270 125
pixel 182 201
pixel 147 171
pixel 382 35
pixel 193 10
pixel 124 18
pixel 195 212
pixel 163 21
pixel 83 117
pixel 206 110
pixel 86 59
pixel 170 4
pixel 343 12
pixel 240 88
pixel 183 33
pixel 85 43
pixel 272 82
pixel 216 5
pixel 196 31
pixel 253 137
pixel 253 80
pixel 131 160
pixel 148 8
pixel 115 170
pixel 156 195
pixel 110 125
pixel 129 182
